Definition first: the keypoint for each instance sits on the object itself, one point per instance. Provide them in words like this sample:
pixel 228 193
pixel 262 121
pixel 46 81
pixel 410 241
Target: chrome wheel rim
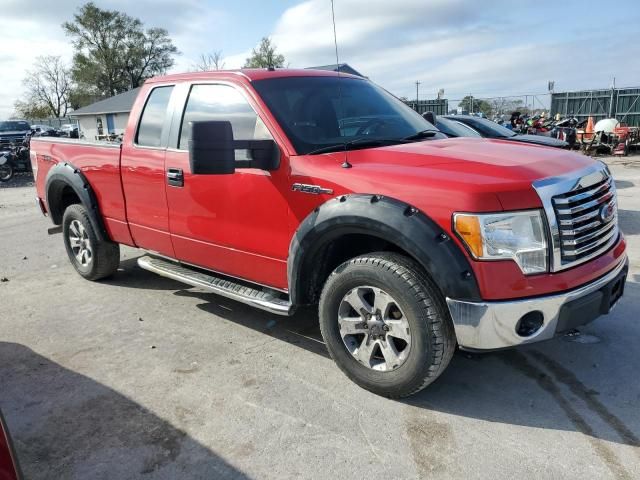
pixel 80 243
pixel 374 329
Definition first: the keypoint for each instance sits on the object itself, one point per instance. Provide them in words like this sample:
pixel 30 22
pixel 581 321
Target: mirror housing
pixel 212 150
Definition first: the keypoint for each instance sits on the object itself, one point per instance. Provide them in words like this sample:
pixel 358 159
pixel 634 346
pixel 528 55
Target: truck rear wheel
pixel 386 324
pixel 93 259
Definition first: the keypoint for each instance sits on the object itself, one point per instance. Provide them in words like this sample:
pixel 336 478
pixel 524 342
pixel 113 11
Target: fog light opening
pixel 529 323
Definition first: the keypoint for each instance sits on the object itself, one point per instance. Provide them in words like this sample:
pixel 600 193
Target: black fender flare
pixel 64 175
pixel 390 220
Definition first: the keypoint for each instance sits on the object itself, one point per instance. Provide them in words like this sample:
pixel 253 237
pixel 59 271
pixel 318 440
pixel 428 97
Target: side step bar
pixel 227 288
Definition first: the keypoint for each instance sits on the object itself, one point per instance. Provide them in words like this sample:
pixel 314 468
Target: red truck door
pixel 143 175
pixel 234 224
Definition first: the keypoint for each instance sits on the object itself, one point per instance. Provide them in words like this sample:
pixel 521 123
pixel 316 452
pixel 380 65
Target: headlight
pixel 518 236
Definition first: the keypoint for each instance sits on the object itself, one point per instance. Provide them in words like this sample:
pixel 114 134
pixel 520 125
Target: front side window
pixel 153 116
pixel 221 103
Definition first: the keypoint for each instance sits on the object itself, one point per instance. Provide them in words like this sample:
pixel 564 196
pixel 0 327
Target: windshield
pixel 486 127
pixel 453 128
pixel 14 126
pixel 321 112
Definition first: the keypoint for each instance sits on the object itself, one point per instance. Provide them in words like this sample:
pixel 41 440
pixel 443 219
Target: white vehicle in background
pixel 69 130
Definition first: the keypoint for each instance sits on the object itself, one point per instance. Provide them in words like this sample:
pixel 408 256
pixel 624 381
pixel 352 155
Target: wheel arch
pixel 351 225
pixel 66 185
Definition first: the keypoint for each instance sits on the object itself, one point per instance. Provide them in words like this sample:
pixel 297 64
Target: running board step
pixel 264 300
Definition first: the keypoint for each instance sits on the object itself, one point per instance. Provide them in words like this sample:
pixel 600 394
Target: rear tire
pixel 390 291
pixel 93 259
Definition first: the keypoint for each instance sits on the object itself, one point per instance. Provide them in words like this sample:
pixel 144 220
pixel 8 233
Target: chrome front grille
pixel 586 219
pixel 581 211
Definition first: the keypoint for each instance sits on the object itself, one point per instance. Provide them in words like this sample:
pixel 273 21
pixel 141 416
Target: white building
pixel 106 117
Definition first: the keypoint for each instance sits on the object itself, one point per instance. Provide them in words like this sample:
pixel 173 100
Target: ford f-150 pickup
pixel 283 188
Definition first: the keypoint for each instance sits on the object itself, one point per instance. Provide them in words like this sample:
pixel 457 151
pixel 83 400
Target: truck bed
pixel 99 162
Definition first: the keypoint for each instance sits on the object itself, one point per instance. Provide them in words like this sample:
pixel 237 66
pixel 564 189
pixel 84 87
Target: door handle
pixel 175 177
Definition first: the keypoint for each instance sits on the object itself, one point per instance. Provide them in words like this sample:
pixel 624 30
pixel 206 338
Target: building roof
pixel 341 67
pixel 121 103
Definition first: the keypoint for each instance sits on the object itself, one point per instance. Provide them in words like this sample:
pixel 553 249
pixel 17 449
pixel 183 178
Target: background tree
pixel 209 61
pixel 265 56
pixel 113 52
pixel 475 105
pixel 506 106
pixel 48 88
pixel 26 110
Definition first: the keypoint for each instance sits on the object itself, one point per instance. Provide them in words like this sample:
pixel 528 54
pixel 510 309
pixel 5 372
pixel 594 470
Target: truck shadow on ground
pixel 531 386
pixel 66 425
pixel 527 386
pixel 131 276
pixel 629 221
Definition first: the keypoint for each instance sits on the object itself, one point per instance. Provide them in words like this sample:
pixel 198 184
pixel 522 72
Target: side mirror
pixel 212 150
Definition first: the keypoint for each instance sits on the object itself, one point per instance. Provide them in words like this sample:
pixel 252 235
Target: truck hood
pixel 495 161
pixel 472 174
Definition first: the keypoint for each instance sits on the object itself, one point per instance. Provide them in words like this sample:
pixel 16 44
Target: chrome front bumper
pixel 492 325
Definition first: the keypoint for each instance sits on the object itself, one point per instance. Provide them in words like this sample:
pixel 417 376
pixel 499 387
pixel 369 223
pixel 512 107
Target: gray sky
pixel 463 46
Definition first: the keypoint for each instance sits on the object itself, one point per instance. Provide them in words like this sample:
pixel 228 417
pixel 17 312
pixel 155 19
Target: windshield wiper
pixel 421 135
pixel 358 143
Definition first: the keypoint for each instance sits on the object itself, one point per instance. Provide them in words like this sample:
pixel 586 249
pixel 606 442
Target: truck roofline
pixel 250 74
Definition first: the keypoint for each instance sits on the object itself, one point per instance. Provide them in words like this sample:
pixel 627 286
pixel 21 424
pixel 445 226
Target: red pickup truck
pixel 282 188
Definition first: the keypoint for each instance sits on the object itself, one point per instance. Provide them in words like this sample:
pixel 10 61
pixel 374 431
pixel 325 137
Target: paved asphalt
pixel 143 377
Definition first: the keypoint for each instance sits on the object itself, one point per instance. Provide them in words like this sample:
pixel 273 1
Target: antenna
pixel 346 163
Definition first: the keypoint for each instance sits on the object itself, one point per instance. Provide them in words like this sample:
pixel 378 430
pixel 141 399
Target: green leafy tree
pixel 24 109
pixel 475 105
pixel 113 51
pixel 265 56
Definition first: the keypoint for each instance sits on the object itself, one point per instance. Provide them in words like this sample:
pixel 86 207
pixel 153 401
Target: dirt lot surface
pixel 143 377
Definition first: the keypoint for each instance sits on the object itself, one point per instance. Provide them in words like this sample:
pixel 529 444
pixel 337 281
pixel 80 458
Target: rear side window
pixel 153 116
pixel 224 103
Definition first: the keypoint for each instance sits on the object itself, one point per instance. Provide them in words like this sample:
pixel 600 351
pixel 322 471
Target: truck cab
pixel 282 188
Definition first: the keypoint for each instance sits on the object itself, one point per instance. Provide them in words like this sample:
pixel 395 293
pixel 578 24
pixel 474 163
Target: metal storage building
pixel 621 103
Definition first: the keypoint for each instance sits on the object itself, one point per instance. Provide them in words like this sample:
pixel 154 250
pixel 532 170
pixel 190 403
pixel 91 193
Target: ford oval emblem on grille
pixel 608 212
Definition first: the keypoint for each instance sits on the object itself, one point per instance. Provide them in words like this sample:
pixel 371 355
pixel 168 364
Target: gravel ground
pixel 143 377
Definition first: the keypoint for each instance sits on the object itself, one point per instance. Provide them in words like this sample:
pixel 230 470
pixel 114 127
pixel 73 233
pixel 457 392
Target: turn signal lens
pixel 468 227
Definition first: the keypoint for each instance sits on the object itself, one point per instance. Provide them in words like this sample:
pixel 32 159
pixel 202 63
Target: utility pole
pixel 612 110
pixel 417 91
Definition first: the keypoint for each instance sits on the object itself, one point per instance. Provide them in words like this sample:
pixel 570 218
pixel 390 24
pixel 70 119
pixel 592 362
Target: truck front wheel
pixel 93 259
pixel 385 324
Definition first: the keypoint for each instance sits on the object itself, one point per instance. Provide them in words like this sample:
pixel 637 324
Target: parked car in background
pixel 44 131
pixel 69 130
pixel 488 129
pixel 454 129
pixel 284 188
pixel 13 132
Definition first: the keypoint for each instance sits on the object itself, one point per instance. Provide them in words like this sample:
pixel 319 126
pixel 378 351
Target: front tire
pixel 93 259
pixel 386 325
